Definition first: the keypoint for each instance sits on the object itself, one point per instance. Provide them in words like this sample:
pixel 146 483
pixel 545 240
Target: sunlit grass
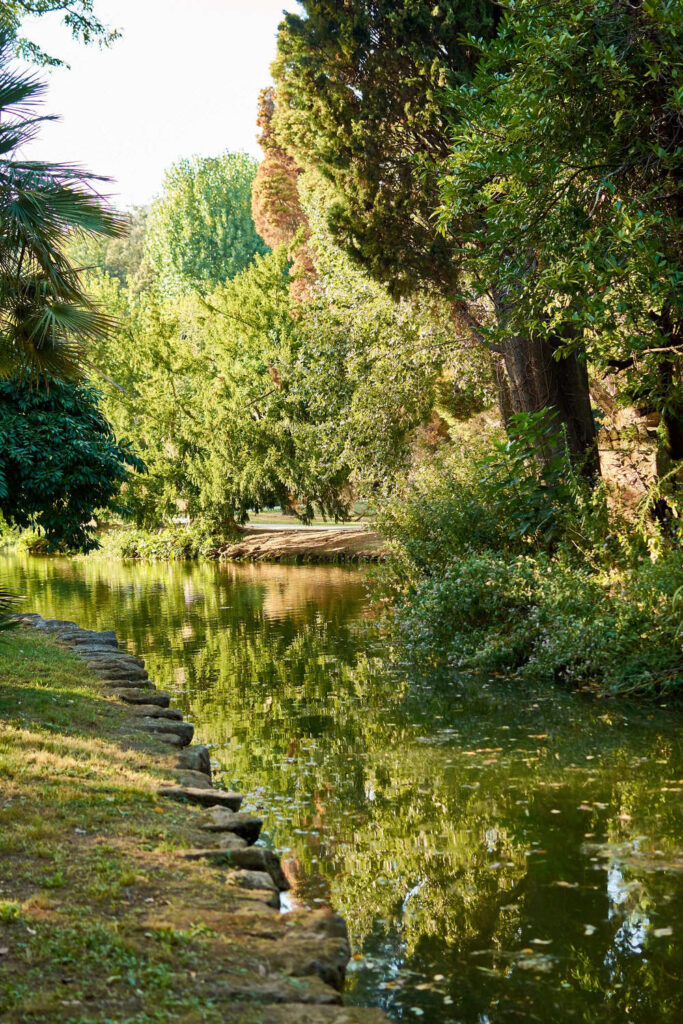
pixel 90 889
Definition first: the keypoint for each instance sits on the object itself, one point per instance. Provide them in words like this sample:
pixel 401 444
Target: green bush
pixel 169 544
pixel 489 577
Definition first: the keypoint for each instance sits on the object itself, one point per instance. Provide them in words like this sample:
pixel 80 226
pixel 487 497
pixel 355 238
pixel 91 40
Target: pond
pixel 498 855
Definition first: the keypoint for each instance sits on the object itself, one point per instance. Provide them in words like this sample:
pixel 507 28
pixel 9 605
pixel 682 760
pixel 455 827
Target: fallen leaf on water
pixel 659 933
pixel 589 929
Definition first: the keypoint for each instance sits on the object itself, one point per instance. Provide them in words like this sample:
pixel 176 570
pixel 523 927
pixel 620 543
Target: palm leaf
pixel 46 319
pixel 7 604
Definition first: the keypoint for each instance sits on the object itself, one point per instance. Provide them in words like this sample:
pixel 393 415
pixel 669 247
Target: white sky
pixel 183 79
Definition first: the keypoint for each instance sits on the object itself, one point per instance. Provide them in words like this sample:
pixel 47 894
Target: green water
pixel 499 856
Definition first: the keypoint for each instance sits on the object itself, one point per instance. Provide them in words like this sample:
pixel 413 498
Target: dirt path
pixel 304 545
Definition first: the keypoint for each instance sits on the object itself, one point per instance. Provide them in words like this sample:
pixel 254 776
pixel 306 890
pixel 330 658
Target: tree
pixel 362 97
pixel 46 319
pixel 59 460
pixel 122 256
pixel 276 206
pixel 360 100
pixel 200 233
pixel 236 401
pixel 586 175
pixel 78 15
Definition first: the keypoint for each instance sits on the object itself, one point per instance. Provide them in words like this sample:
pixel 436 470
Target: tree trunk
pixel 672 422
pixel 537 380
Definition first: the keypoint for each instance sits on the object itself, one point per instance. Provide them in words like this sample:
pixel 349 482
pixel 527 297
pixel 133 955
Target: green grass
pixel 99 921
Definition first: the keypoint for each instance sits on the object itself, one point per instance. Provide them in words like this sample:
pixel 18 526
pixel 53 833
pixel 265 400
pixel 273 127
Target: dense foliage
pixel 59 460
pixel 501 568
pixel 581 194
pixel 458 203
pixel 236 401
pixel 200 230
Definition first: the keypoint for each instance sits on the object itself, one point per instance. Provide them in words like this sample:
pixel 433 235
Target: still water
pixel 499 856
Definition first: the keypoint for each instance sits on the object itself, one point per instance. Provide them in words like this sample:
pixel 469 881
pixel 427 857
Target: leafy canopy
pixel 361 100
pixel 200 232
pixel 46 319
pixel 78 15
pixel 569 144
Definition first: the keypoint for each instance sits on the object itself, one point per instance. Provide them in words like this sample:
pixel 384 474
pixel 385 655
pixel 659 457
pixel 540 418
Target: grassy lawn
pixel 99 918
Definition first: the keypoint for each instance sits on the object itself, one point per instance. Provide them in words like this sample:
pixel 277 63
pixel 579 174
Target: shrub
pixel 172 543
pixel 488 576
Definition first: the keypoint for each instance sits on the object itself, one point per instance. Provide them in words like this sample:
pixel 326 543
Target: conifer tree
pixel 363 98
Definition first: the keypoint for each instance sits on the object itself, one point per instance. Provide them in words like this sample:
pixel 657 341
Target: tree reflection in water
pixel 499 856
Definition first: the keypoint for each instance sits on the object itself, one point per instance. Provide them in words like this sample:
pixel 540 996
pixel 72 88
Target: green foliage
pixel 46 318
pixel 78 16
pixel 172 544
pixel 361 101
pixel 59 460
pixel 580 195
pixel 500 565
pixel 121 256
pixel 237 402
pixel 200 232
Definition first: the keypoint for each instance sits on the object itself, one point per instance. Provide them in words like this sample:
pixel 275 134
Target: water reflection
pixel 498 856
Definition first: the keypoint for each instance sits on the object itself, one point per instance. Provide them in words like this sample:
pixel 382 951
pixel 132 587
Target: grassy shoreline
pixel 101 919
pixel 179 543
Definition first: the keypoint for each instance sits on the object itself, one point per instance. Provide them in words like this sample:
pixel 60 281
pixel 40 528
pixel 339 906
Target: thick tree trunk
pixel 537 380
pixel 672 422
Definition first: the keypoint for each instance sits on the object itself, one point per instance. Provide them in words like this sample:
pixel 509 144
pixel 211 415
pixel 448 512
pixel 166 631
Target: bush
pixel 172 543
pixel 487 577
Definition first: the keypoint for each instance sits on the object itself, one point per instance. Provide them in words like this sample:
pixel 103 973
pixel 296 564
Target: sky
pixel 184 79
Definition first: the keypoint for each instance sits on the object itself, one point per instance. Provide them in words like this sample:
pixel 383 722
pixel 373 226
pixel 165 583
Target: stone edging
pixel 230 833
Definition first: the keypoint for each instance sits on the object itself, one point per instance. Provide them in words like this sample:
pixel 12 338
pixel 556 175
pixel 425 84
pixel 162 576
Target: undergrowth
pixel 501 565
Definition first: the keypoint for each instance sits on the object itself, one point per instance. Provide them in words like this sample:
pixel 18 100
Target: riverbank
pixel 304 546
pixel 289 545
pixel 107 910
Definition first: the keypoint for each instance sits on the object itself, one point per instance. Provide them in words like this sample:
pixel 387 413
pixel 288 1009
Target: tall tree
pixel 275 202
pixel 200 233
pixel 362 97
pixel 586 174
pixel 46 319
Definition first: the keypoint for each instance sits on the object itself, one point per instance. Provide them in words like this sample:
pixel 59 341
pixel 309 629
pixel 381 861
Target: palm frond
pixel 8 603
pixel 46 319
